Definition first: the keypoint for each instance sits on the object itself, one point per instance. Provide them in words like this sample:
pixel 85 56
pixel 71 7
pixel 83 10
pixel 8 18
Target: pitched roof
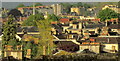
pixel 94 25
pixel 20 35
pixel 28 29
pixel 53 22
pixel 56 26
pixel 64 20
pixel 114 19
pixel 114 26
pixel 67 45
pixel 95 19
pixel 109 40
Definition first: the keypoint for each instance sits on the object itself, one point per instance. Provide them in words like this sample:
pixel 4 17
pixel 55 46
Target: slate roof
pixel 114 26
pixel 95 25
pixel 75 22
pixel 56 26
pixel 28 29
pixel 109 40
pixel 67 46
pixel 64 20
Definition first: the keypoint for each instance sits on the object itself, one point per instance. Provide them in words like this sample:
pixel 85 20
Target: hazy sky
pixel 60 0
pixel 13 3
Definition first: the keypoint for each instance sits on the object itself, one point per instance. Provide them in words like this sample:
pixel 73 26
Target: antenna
pixel 33 8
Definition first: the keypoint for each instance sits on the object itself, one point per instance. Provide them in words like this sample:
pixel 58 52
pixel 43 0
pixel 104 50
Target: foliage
pixel 101 4
pixel 9 32
pixel 30 45
pixel 32 18
pixel 66 7
pixel 119 4
pixel 80 57
pixel 107 14
pixel 53 17
pixel 79 4
pixel 87 6
pixel 20 5
pixel 44 28
pixel 34 50
pixel 15 13
pixel 37 4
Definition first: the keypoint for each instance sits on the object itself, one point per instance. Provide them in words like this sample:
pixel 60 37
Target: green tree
pixel 66 7
pixel 45 42
pixel 119 4
pixel 79 4
pixel 20 5
pixel 32 18
pixel 15 13
pixel 87 5
pixel 9 32
pixel 107 14
pixel 37 4
pixel 53 17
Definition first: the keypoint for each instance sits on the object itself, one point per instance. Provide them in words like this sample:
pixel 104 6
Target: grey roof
pixel 95 25
pixel 67 46
pixel 114 26
pixel 28 29
pixel 110 40
pixel 56 26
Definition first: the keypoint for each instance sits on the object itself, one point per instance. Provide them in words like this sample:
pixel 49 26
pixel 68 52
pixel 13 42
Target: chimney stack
pixel 80 25
pixel 74 26
pixel 106 23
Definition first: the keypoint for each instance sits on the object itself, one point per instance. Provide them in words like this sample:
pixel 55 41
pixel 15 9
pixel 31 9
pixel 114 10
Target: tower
pixel 57 9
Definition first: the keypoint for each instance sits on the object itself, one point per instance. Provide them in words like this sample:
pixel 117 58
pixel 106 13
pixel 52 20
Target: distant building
pixel 112 7
pixel 45 10
pixel 40 9
pixel 91 9
pixel 57 9
pixel 76 10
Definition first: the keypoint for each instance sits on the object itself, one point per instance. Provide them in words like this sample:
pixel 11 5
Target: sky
pixel 10 4
pixel 60 0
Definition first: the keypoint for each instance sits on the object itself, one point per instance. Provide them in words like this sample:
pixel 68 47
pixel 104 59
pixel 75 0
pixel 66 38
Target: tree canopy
pixel 32 18
pixel 20 5
pixel 66 7
pixel 87 5
pixel 15 13
pixel 45 42
pixel 79 4
pixel 9 32
pixel 37 4
pixel 107 14
pixel 53 17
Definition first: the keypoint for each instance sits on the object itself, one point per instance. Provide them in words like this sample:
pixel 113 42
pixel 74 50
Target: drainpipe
pixel 108 40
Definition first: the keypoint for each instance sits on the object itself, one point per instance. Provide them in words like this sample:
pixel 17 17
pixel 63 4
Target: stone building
pixel 57 9
pixel 76 10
